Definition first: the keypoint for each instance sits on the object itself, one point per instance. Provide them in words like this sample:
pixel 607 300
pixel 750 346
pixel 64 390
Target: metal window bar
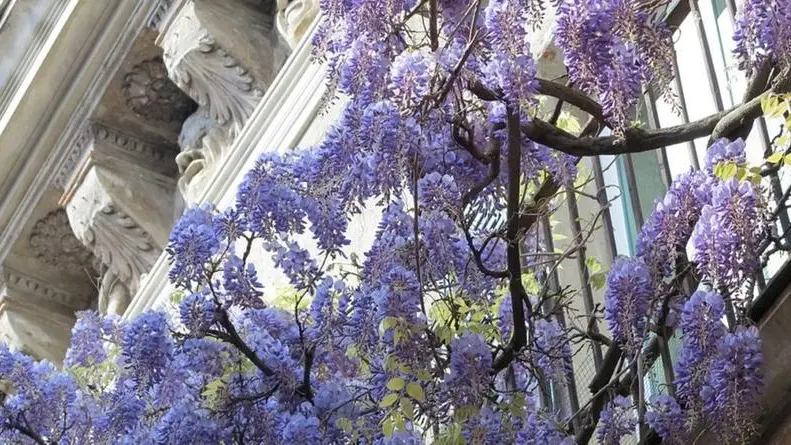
pixel 711 75
pixel 601 196
pixel 634 197
pixel 582 268
pixel 653 121
pixel 554 287
pixel 682 104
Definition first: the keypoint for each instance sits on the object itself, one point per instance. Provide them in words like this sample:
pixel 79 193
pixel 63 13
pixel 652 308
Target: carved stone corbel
pixel 224 55
pixel 119 204
pixel 36 316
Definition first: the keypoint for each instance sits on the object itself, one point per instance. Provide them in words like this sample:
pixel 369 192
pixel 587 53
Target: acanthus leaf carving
pixel 121 245
pixel 294 18
pixel 208 73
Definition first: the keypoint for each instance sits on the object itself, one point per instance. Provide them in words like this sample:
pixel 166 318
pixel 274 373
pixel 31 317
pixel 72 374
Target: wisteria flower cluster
pixel 446 329
pixel 723 220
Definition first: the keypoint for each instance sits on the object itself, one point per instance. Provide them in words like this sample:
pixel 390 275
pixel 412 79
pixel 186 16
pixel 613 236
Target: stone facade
pixel 140 109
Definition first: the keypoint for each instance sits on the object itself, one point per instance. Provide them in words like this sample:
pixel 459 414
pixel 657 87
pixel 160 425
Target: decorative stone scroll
pixel 294 18
pixel 120 206
pixel 224 55
pixel 207 72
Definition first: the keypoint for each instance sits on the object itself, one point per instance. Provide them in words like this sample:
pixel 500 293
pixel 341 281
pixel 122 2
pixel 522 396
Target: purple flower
pixel 191 245
pixel 539 428
pixel 729 233
pixel 485 428
pixel 734 385
pixel 86 341
pixel 617 420
pixel 147 347
pixel 470 370
pixel 627 301
pixel 410 77
pixel 665 234
pixel 701 324
pixel 668 420
pixel 763 32
pixel 553 351
pixel 198 312
pixel 241 284
pixel 724 150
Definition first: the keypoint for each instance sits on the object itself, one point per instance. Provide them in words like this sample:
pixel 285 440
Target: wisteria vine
pixel 454 327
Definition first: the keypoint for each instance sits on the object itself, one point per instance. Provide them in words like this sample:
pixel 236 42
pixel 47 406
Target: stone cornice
pixel 157 155
pixel 20 282
pixel 55 133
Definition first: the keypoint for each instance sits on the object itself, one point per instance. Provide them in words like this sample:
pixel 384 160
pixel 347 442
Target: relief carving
pixel 119 205
pixel 207 73
pixel 53 242
pixel 151 94
pixel 294 18
pixel 223 55
pixel 47 292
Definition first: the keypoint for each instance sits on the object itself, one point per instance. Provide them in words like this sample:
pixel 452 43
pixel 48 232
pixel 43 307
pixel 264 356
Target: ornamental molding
pixel 207 72
pixel 156 155
pixel 150 93
pixel 159 13
pixel 19 282
pixel 120 244
pixel 52 242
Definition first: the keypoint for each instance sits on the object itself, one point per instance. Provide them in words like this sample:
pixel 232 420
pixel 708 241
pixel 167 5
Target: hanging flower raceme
pixel 512 68
pixel 198 312
pixel 86 341
pixel 191 245
pixel 734 384
pixel 613 48
pixel 668 420
pixel 729 233
pixel 617 420
pixel 470 371
pixel 763 33
pixel 147 348
pixel 701 324
pixel 627 302
pixel 665 234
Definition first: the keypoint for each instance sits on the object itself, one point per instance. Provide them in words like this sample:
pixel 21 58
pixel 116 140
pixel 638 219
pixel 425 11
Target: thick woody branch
pixel 513 257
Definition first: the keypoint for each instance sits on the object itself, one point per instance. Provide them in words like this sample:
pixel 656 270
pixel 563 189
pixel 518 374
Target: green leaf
pixel 729 170
pixel 598 280
pixel 344 424
pixel 399 422
pixel 415 391
pixel 389 400
pixel 389 323
pixel 388 426
pixel 594 266
pixel 408 408
pixel 396 384
pixel 775 157
pixel 787 159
